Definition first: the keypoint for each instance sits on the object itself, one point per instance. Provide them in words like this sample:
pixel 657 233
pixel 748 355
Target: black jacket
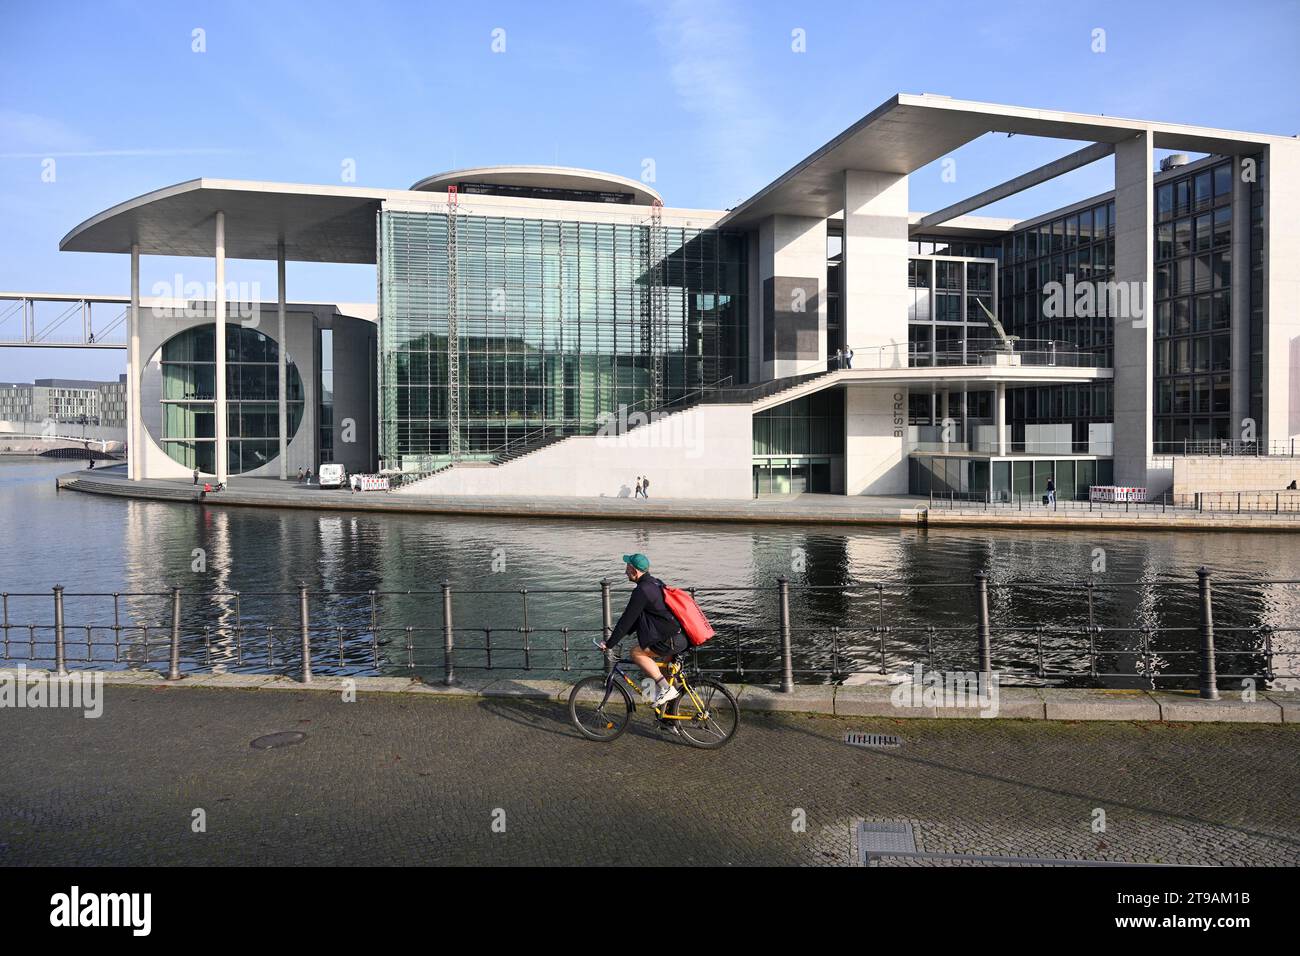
pixel 646 614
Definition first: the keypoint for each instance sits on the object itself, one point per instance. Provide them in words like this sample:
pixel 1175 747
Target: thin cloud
pixel 712 71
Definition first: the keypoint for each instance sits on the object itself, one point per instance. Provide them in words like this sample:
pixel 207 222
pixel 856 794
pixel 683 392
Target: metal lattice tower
pixel 453 328
pixel 653 337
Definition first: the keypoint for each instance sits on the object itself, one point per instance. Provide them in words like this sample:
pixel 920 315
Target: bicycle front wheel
pixel 599 709
pixel 713 716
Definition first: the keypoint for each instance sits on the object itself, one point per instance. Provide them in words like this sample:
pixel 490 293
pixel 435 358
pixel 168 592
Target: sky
pixel 127 96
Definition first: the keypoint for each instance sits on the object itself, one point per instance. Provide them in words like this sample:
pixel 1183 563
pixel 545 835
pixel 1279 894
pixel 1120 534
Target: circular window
pixel 178 392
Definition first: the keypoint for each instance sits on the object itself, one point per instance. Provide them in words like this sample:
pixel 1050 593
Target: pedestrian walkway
pixel 404 779
pixel 798 509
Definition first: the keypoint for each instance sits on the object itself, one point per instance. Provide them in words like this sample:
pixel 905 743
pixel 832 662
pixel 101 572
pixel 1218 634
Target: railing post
pixel 787 657
pixel 448 637
pixel 174 657
pixel 60 659
pixel 304 619
pixel 982 609
pixel 606 622
pixel 1209 680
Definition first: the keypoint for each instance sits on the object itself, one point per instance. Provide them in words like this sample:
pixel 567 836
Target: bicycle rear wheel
pixel 599 709
pixel 712 725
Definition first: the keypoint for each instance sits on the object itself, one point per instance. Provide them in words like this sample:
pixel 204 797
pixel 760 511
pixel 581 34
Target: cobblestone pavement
pixel 397 780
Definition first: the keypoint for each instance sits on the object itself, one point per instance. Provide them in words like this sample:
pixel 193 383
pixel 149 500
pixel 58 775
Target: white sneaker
pixel 666 695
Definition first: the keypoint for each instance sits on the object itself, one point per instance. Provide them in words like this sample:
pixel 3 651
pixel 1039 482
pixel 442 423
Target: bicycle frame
pixel 676 675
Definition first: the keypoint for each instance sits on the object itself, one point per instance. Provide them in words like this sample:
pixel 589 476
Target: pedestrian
pixel 1051 491
pixel 299 476
pixel 196 476
pixel 839 358
pixel 645 487
pixel 848 359
pixel 90 464
pixel 638 487
pixel 309 476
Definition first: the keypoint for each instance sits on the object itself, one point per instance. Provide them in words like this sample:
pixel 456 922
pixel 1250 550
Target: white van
pixel 333 476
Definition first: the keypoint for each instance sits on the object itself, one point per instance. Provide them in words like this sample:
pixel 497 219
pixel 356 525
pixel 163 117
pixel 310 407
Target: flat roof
pixel 909 131
pixel 544 177
pixel 337 223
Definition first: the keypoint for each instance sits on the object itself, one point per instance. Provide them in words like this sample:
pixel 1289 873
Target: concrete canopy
pixel 909 131
pixel 316 223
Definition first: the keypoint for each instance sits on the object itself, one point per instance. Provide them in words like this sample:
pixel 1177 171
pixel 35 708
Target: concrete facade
pixel 1197 474
pixel 875 263
pixel 702 452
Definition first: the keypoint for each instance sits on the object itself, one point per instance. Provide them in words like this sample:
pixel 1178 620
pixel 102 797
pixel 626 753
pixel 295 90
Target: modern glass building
pixel 547 330
pixel 554 326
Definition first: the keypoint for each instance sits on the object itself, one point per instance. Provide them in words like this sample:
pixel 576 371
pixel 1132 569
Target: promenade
pixel 798 509
pixel 415 779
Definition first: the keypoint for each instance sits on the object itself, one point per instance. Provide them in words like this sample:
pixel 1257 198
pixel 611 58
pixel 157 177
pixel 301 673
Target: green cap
pixel 638 561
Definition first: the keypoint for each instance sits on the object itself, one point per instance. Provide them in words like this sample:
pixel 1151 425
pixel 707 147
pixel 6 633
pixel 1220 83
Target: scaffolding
pixel 653 332
pixel 453 328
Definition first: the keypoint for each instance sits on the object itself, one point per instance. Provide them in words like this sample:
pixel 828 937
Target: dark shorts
pixel 669 645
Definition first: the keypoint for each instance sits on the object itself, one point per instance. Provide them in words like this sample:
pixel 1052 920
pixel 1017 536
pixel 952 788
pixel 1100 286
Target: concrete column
pixel 875 295
pixel 282 342
pixel 1281 293
pixel 1001 414
pixel 134 413
pixel 1134 271
pixel 219 406
pixel 792 285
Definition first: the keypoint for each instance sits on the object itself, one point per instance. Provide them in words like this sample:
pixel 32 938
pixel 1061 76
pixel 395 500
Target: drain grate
pixel 282 739
pixel 875 741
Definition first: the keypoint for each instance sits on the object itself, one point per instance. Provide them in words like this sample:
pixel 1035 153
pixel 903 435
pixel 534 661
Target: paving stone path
pixel 403 779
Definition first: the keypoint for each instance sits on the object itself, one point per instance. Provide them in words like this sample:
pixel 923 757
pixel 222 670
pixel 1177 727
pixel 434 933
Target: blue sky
pixel 711 90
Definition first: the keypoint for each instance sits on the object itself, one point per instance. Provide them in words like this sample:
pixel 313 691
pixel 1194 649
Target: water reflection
pixel 90 543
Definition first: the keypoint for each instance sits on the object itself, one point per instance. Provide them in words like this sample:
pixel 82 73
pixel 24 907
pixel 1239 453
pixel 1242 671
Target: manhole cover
pixel 890 836
pixel 283 739
pixel 873 740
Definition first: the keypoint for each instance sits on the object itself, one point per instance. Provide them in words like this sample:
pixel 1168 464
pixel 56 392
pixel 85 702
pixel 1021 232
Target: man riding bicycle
pixel 657 631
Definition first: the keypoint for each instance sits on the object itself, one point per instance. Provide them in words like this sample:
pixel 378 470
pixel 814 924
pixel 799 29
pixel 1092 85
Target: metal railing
pixel 1206 502
pixel 874 633
pixel 1229 448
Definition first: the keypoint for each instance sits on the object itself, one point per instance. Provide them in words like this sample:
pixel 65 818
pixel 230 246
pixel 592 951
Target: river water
pixel 90 543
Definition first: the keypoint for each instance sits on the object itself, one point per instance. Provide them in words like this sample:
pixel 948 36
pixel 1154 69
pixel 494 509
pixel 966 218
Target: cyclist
pixel 657 631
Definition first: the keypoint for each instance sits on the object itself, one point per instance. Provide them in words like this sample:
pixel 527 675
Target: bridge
pixel 63 320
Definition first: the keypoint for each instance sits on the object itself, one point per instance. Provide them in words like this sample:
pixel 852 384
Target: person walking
pixel 839 358
pixel 645 487
pixel 658 633
pixel 196 476
pixel 638 487
pixel 1051 492
pixel 300 476
pixel 848 359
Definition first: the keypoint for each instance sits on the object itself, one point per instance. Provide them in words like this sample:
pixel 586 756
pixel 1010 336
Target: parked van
pixel 333 476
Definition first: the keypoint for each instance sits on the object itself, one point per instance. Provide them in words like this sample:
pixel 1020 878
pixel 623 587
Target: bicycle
pixel 705 714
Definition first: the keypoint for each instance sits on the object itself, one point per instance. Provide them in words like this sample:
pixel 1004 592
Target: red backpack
pixel 694 624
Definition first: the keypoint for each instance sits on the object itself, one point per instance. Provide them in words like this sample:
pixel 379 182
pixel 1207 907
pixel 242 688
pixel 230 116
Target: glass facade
pixel 1078 244
pixel 551 327
pixel 799 445
pixel 1006 479
pixel 1193 302
pixel 184 373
